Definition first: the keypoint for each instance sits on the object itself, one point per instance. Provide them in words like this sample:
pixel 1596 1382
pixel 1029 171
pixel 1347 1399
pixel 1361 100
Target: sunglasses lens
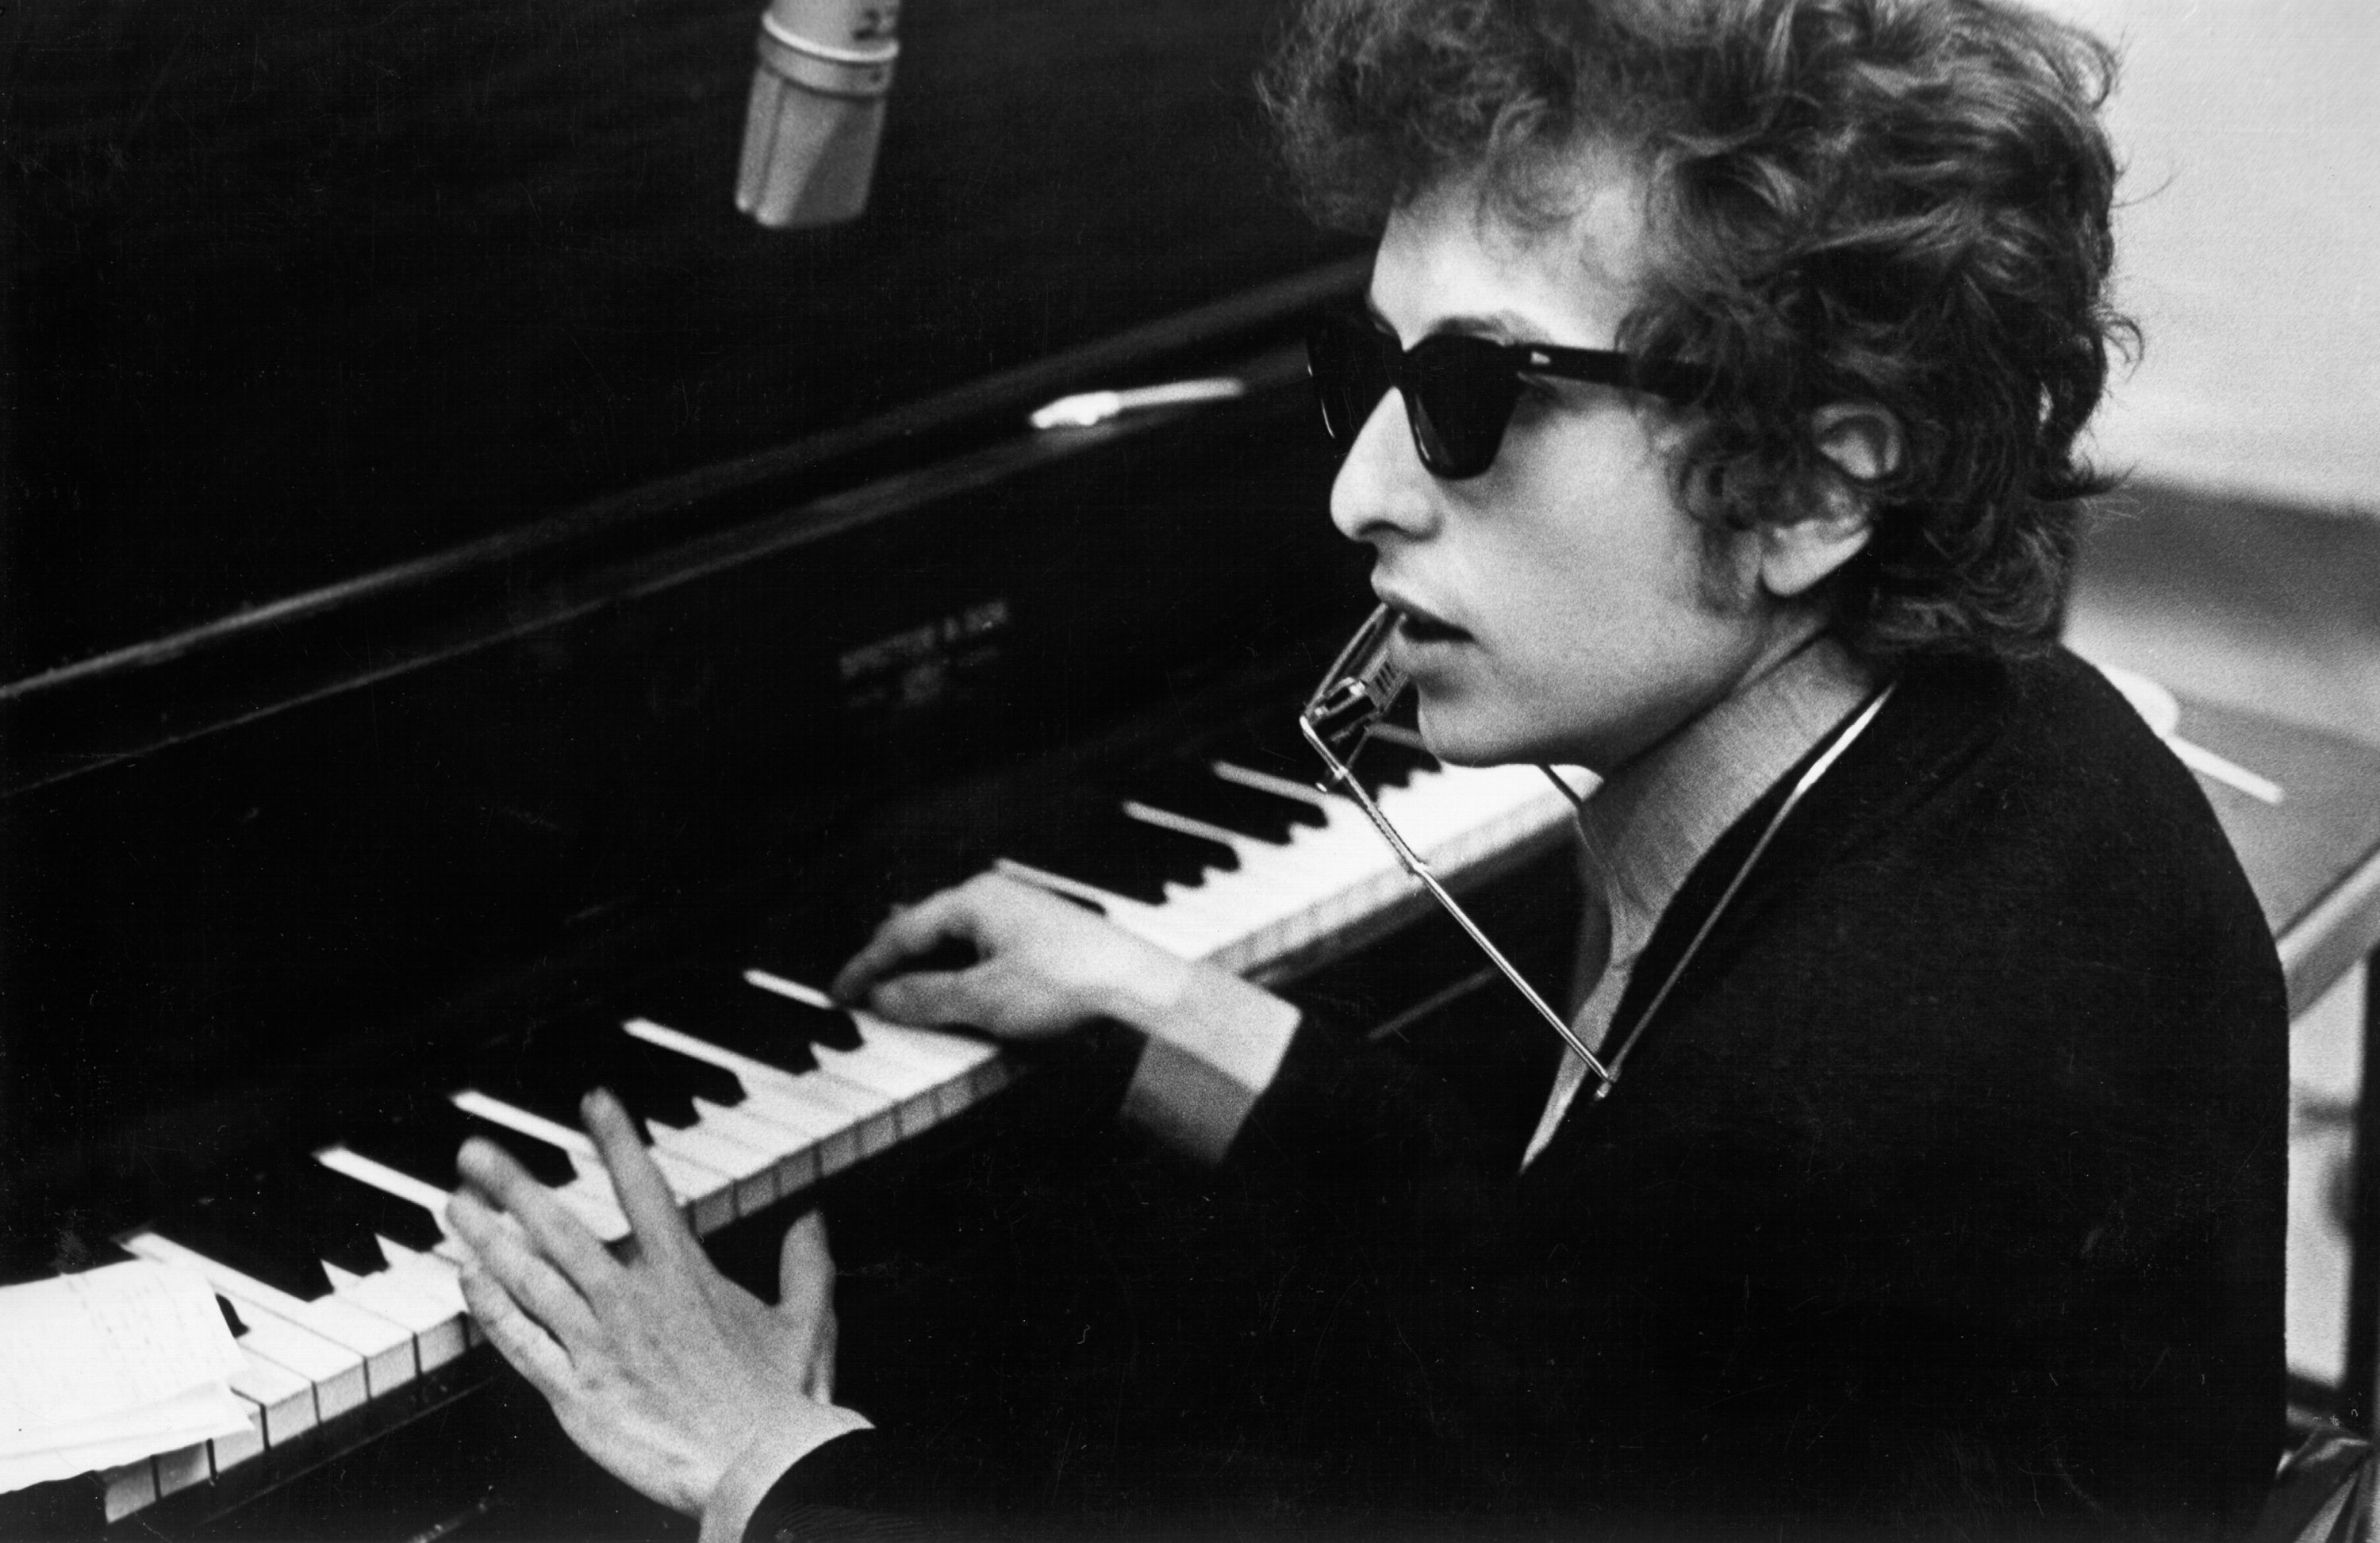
pixel 1458 391
pixel 1462 396
pixel 1351 374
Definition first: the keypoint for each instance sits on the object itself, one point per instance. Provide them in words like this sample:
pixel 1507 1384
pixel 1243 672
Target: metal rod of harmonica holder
pixel 1355 695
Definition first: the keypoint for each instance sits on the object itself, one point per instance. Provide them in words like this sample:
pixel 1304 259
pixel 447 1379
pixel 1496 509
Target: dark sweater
pixel 1945 1195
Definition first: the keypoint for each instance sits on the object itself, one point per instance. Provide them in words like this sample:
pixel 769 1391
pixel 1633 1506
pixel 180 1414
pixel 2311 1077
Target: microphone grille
pixel 815 116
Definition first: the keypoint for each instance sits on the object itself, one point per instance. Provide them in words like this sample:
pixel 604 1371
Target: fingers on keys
pixel 908 932
pixel 653 1214
pixel 927 997
pixel 536 1274
pixel 521 1300
pixel 558 1236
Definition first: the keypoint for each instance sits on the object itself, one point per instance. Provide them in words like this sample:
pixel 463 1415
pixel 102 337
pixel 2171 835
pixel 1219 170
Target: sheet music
pixel 108 1366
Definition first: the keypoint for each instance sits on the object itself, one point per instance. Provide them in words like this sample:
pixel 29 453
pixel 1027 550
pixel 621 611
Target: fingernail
pixel 598 1102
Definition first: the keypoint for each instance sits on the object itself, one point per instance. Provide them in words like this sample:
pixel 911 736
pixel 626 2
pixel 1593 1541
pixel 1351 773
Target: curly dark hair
pixel 1897 201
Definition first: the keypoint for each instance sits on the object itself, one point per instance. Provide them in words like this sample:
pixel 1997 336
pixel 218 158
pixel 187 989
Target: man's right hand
pixel 1043 966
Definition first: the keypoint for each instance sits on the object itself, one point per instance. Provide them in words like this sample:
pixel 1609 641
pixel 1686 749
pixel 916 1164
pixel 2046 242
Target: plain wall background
pixel 2249 244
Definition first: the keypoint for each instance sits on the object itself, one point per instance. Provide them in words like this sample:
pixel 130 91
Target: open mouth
pixel 1420 626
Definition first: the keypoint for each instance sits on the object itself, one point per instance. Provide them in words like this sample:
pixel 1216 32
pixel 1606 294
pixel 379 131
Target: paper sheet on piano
pixel 109 1366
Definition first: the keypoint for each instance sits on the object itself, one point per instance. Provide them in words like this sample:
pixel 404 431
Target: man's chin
pixel 1457 740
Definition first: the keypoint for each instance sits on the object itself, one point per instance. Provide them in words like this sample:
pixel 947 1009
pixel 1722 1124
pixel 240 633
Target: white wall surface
pixel 2249 244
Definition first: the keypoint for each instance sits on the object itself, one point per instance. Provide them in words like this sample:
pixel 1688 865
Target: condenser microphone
pixel 816 110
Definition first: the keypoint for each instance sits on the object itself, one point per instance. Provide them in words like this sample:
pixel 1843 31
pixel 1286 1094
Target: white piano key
pixel 956 1062
pixel 132 1486
pixel 792 990
pixel 387 1179
pixel 225 1452
pixel 384 1351
pixel 966 1068
pixel 960 1068
pixel 178 1471
pixel 436 1327
pixel 437 1276
pixel 284 1399
pixel 1170 930
pixel 437 1280
pixel 844 1122
pixel 872 1120
pixel 1344 842
pixel 822 1119
pixel 963 1068
pixel 1265 867
pixel 904 1071
pixel 747 1172
pixel 1265 782
pixel 791 1149
pixel 1446 806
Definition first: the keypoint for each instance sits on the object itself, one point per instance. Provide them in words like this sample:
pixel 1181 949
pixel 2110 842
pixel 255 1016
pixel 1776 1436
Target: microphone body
pixel 816 111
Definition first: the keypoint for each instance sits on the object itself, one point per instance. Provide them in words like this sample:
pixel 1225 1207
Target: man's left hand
pixel 659 1366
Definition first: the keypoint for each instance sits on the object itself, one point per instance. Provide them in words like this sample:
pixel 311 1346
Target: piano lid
pixel 297 292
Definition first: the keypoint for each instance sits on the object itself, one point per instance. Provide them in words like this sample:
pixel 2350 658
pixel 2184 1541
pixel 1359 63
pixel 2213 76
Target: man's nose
pixel 1383 491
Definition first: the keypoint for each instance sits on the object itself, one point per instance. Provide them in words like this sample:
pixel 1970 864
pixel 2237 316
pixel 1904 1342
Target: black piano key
pixel 717 1005
pixel 1270 743
pixel 1193 790
pixel 697 1079
pixel 267 1225
pixel 227 1224
pixel 422 1139
pixel 338 1226
pixel 548 1070
pixel 1108 849
pixel 231 1318
pixel 781 1034
pixel 1391 761
pixel 400 1222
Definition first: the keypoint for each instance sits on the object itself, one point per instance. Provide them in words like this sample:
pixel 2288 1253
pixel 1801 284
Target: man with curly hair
pixel 1712 418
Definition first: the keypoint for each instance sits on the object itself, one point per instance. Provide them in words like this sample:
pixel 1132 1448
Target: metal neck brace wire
pixel 1350 706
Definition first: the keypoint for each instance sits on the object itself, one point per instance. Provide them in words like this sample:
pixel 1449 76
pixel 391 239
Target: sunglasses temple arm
pixel 1428 880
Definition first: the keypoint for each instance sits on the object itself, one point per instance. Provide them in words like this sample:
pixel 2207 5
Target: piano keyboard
pixel 338 1267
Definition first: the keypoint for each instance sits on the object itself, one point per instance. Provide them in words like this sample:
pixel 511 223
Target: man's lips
pixel 1421 626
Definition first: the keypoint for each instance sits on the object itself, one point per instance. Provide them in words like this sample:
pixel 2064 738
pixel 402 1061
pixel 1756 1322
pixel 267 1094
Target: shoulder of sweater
pixel 1993 806
pixel 2010 754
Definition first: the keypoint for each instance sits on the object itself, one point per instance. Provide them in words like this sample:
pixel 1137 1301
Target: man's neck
pixel 1652 821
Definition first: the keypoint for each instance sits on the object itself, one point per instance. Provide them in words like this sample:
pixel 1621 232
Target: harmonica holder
pixel 1355 695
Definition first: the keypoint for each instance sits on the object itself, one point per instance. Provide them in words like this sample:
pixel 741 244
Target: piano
pixel 484 621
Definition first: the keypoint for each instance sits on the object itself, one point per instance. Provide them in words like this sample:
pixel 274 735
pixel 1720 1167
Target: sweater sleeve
pixel 838 1493
pixel 765 1460
pixel 1210 1057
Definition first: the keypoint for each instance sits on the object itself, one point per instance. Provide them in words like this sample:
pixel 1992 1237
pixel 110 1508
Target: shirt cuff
pixel 1210 1057
pixel 764 1461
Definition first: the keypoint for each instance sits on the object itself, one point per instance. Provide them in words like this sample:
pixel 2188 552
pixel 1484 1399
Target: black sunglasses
pixel 1459 390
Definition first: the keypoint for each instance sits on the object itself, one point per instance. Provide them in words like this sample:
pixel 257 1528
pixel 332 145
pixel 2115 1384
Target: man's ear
pixel 1862 442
